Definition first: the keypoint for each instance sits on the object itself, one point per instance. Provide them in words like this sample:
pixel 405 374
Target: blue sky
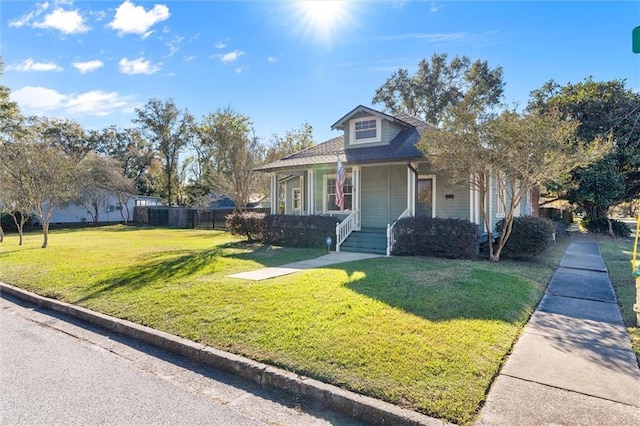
pixel 284 63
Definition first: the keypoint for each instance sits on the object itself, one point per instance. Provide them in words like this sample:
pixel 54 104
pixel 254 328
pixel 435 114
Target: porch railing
pixel 391 237
pixel 346 227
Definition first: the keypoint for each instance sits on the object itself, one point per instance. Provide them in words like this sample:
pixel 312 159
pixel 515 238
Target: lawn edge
pixel 352 404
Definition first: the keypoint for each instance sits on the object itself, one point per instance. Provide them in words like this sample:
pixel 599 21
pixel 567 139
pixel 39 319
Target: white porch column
pixel 411 191
pixel 355 197
pixel 311 196
pixel 275 207
pixel 355 175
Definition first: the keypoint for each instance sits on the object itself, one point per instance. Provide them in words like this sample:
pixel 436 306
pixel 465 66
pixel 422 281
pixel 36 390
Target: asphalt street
pixel 56 370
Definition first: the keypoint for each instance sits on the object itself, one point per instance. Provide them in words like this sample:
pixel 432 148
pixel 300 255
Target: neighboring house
pixel 110 210
pixel 387 178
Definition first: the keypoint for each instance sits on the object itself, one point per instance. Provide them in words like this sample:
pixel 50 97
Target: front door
pixel 424 197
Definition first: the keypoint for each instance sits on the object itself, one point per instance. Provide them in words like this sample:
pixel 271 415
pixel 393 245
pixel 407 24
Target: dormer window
pixel 365 130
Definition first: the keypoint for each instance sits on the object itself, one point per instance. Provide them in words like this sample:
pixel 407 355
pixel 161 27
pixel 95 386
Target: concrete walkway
pixel 320 262
pixel 574 363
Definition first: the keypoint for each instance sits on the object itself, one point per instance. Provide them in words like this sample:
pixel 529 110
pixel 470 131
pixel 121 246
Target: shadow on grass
pixel 446 293
pixel 180 264
pixel 165 266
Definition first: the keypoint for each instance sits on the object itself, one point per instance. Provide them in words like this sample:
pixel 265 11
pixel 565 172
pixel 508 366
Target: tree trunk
pixel 1 234
pixel 610 226
pixel 45 230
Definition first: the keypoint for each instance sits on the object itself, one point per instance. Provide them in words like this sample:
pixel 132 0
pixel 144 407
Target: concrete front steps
pixel 367 240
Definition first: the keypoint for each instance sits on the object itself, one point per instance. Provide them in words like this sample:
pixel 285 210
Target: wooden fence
pixel 176 217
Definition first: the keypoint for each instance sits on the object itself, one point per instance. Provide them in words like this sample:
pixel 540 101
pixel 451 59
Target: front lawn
pixel 427 334
pixel 617 254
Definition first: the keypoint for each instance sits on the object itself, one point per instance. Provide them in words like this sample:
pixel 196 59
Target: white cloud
pixel 40 100
pixel 137 66
pixel 174 46
pixel 272 59
pixel 434 8
pixel 132 19
pixel 29 17
pixel 37 99
pixel 30 65
pixel 66 21
pixel 88 66
pixel 96 103
pixel 230 57
pixel 220 45
pixel 240 70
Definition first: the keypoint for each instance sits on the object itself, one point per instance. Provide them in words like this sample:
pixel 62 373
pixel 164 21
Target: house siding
pixel 383 194
pixel 457 207
pixel 375 197
pixel 388 131
pixel 398 182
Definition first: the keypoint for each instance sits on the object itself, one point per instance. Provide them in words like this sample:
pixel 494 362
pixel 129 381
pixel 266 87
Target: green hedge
pixel 300 231
pixel 530 235
pixel 248 224
pixel 450 238
pixel 599 225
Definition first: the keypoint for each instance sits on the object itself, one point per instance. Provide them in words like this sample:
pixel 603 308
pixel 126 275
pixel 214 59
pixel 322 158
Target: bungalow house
pixel 387 178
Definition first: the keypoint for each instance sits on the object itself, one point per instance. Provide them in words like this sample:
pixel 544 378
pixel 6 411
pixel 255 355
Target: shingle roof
pixel 402 147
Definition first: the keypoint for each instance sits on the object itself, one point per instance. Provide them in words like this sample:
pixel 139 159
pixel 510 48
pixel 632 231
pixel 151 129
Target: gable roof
pixel 402 147
pixel 339 125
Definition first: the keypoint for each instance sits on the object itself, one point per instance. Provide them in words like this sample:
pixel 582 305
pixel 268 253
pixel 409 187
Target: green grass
pixel 427 334
pixel 617 253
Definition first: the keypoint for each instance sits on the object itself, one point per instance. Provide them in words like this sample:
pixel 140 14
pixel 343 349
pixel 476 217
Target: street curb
pixel 360 407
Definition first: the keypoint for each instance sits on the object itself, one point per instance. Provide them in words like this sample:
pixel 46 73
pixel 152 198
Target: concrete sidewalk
pixel 320 262
pixel 574 363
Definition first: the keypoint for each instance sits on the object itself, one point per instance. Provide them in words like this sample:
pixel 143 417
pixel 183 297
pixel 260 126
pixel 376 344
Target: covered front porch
pixel 375 197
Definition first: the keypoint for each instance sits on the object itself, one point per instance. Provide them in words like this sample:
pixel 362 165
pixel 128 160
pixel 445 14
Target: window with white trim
pixel 365 130
pixel 296 199
pixel 330 194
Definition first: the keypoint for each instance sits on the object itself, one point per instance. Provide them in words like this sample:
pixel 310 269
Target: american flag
pixel 341 175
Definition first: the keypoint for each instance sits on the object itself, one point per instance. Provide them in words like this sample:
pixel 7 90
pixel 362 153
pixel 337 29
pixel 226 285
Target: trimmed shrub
pixel 300 231
pixel 599 225
pixel 248 224
pixel 530 236
pixel 438 237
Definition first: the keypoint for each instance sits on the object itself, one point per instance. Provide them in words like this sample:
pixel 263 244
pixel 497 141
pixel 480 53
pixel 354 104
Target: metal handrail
pixel 346 227
pixel 391 237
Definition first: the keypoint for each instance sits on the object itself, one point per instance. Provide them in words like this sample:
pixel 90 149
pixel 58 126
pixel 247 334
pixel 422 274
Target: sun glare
pixel 322 19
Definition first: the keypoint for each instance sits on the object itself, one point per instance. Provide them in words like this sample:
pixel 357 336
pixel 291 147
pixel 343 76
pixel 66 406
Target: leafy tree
pixel 68 135
pixel 169 130
pixel 11 120
pixel 520 151
pixel 439 85
pixel 292 141
pixel 45 176
pixel 132 151
pixel 604 110
pixel 235 153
